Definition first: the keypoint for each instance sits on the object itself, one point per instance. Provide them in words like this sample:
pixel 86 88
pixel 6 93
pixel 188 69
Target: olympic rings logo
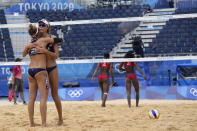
pixel 75 93
pixel 193 91
pixel 117 68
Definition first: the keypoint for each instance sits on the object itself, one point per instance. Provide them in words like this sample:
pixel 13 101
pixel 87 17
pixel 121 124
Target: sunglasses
pixel 42 25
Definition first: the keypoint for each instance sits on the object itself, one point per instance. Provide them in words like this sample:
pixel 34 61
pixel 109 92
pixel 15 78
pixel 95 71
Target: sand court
pixel 89 116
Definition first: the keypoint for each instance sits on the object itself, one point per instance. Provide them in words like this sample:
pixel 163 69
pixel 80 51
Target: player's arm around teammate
pixel 27 48
pixel 53 55
pixel 41 45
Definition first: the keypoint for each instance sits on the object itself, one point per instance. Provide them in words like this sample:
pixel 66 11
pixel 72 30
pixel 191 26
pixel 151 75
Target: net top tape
pixel 94 21
pixel 147 59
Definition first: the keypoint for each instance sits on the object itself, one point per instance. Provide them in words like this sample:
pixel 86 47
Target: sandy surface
pixel 89 116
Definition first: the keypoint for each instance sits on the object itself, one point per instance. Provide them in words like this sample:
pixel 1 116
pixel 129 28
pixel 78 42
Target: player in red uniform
pixel 131 76
pixel 103 78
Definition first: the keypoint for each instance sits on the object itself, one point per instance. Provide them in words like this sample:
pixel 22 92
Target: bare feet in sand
pixel 60 122
pixel 34 124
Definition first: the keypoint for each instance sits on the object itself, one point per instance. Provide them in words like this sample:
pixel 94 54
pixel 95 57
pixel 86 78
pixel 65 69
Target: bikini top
pixel 104 65
pixel 50 47
pixel 32 51
pixel 128 64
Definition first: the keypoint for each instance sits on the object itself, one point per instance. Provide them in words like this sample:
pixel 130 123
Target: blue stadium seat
pixel 194 49
pixel 186 49
pixel 148 50
pixel 180 44
pixel 189 44
pixel 170 44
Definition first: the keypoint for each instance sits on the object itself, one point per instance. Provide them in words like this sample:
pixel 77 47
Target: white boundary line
pixel 94 21
pixel 147 59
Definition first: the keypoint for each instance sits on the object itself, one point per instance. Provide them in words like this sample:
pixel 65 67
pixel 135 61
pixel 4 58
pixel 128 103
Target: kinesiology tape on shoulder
pixel 58 40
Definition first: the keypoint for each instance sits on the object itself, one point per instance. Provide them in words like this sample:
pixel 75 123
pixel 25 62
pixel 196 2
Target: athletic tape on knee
pixel 105 93
pixel 47 81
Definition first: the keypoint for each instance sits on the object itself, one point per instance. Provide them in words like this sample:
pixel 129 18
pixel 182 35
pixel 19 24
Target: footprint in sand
pixel 172 128
pixel 9 114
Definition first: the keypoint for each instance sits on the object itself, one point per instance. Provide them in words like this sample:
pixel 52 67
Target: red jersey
pixel 17 72
pixel 104 65
pixel 126 64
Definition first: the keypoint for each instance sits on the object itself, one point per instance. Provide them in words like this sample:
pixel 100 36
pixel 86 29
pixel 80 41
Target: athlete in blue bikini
pixel 37 74
pixel 52 53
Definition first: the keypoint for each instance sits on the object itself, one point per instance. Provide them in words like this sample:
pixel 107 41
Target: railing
pixel 7 3
pixel 88 3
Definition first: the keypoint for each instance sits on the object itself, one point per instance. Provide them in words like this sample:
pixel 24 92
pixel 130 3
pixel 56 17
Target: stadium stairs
pixel 19 36
pixel 6 51
pixel 147 30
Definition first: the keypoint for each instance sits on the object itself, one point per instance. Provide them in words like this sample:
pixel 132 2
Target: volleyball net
pixel 86 41
pixel 90 39
pixel 169 46
pixel 170 68
pixel 167 78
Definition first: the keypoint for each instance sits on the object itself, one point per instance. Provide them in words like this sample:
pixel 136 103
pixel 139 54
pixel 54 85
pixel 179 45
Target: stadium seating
pixel 90 39
pixel 85 14
pixel 187 4
pixel 177 37
pixel 162 4
pixel 186 11
pixel 6 51
pixel 96 39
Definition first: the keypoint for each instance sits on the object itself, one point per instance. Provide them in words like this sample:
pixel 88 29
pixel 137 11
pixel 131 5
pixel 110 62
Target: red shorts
pixel 131 77
pixel 102 77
